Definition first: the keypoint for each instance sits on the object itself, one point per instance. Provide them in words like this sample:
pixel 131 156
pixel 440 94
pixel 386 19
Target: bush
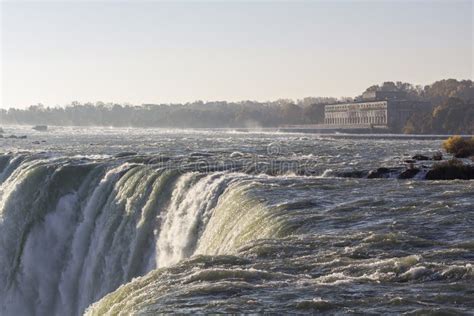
pixel 459 147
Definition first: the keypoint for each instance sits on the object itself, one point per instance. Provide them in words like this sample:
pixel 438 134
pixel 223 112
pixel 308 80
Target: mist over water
pixel 226 221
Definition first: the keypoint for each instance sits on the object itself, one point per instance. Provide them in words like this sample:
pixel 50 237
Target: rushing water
pixel 225 221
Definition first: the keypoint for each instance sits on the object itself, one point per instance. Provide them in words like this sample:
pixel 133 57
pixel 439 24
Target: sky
pixel 168 52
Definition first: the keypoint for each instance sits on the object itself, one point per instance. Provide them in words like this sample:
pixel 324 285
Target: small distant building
pixel 383 109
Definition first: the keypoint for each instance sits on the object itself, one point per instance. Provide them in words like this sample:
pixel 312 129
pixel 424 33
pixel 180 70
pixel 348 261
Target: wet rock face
pixel 438 156
pixel 420 157
pixel 352 174
pixel 409 173
pixel 17 137
pixel 41 128
pixel 380 173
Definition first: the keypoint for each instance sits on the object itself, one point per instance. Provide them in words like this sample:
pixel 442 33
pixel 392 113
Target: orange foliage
pixel 459 147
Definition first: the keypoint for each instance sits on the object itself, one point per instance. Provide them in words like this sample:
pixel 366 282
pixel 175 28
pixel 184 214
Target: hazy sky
pixel 150 52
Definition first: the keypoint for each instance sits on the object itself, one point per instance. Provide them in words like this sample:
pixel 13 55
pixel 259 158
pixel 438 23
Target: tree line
pixel 452 100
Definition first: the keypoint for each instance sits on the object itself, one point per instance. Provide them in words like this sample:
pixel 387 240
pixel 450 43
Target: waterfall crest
pixel 73 230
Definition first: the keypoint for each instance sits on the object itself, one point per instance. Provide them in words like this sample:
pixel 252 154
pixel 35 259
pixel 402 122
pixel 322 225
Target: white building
pixel 391 114
pixel 366 113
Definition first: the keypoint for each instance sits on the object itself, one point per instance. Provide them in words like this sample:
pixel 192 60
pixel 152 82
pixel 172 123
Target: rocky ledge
pixel 453 169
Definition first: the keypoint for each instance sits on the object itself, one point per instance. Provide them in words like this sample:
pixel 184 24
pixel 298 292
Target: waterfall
pixel 73 230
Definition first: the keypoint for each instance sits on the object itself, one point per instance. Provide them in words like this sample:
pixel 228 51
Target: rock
pixel 420 157
pixel 410 161
pixel 451 170
pixel 438 156
pixel 464 153
pixel 409 173
pixel 379 173
pixel 17 137
pixel 352 174
pixel 40 128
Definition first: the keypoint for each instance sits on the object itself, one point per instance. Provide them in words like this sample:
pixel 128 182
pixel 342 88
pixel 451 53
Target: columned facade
pixel 367 113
